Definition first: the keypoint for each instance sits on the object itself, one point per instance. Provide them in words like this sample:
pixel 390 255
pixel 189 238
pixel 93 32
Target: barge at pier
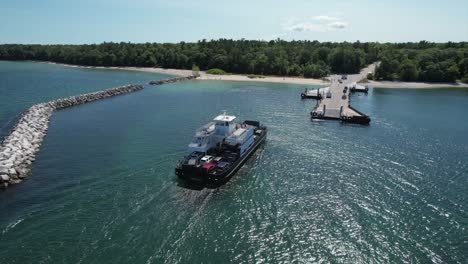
pixel 317 94
pixel 219 149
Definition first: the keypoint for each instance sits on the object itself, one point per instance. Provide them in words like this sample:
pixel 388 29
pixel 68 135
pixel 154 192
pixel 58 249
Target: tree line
pixel 421 61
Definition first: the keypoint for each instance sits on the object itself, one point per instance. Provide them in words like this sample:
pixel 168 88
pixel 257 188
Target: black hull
pixel 354 90
pixel 198 177
pixel 307 96
pixel 361 120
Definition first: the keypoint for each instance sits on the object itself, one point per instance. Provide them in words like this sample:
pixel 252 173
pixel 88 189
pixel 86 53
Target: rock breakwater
pixel 89 97
pixel 18 150
pixel 173 80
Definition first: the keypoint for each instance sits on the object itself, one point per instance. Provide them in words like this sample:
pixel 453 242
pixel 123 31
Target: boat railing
pixel 197 145
pixel 206 129
pixel 240 138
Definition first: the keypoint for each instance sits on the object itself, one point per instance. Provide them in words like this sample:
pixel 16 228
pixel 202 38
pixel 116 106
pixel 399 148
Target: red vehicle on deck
pixel 209 166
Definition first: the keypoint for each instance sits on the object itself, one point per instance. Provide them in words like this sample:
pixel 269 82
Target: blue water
pixel 103 188
pixel 24 84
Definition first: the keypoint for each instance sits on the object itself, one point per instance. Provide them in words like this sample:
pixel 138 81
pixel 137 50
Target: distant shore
pixel 273 79
pixel 414 85
pixel 205 76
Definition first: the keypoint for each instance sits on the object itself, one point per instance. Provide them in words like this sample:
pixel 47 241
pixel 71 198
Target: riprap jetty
pixel 18 150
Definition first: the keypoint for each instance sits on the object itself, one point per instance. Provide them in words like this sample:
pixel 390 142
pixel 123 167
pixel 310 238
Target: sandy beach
pixel 205 76
pixel 274 79
pixel 298 80
pixel 267 79
pixel 414 85
pixel 142 69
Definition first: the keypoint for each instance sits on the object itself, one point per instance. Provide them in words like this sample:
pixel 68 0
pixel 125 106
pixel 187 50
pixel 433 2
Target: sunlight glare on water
pixel 103 188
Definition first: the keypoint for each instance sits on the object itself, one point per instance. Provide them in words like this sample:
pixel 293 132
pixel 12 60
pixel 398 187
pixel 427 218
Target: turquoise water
pixel 103 188
pixel 23 84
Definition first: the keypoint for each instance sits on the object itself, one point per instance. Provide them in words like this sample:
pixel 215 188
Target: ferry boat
pixel 219 149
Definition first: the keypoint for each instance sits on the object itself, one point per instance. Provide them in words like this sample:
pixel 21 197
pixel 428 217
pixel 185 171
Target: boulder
pixel 4 178
pixel 12 172
pixel 14 181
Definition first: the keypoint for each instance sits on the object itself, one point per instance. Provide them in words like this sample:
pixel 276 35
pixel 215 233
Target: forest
pixel 420 61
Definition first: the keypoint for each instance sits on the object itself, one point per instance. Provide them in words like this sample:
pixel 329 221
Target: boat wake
pixel 11 226
pixel 201 198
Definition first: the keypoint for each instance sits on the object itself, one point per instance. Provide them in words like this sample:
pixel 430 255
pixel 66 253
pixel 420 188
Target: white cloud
pixel 338 24
pixel 326 18
pixel 320 23
pixel 306 26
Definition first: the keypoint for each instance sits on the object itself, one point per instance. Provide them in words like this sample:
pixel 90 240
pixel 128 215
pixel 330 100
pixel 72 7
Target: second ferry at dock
pixel 219 149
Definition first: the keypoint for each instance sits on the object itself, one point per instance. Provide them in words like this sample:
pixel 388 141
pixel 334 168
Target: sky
pixel 96 21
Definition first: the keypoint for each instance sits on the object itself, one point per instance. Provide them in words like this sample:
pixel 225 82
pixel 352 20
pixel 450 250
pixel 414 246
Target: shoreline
pixel 270 79
pixel 413 85
pixel 203 75
pixel 266 79
pixel 176 72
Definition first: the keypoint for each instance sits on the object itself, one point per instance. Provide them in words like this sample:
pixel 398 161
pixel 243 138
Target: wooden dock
pixel 336 105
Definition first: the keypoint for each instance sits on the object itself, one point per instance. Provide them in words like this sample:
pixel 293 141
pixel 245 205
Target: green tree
pixel 434 62
pixel 464 79
pixel 408 71
pixel 346 60
pixel 314 71
pixel 452 74
pixel 384 70
pixel 321 55
pixel 305 56
pixel 463 66
pixel 295 70
pixel 432 73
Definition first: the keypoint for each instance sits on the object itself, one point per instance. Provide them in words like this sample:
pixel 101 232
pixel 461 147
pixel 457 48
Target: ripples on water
pixel 103 187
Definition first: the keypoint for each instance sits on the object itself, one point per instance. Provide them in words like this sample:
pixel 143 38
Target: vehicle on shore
pixel 219 149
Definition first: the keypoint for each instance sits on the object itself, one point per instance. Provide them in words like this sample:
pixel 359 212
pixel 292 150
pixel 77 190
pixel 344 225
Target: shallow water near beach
pixel 103 188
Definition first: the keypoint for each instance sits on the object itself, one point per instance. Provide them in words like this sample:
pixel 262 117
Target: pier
pixel 335 103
